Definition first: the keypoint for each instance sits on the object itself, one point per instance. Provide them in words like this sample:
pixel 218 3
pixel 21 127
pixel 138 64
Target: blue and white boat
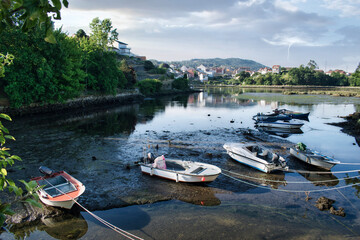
pixel 256 156
pixel 313 158
pixel 292 123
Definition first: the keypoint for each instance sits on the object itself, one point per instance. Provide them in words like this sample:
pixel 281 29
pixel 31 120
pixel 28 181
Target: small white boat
pixel 256 156
pixel 293 124
pixel 60 189
pixel 179 170
pixel 313 158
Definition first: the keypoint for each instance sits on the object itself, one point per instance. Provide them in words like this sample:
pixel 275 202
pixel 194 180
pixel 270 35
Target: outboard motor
pixel 46 171
pixel 150 157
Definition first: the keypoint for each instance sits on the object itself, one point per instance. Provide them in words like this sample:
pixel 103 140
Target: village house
pixel 265 70
pixel 123 49
pixel 203 77
pixel 276 69
pixel 335 71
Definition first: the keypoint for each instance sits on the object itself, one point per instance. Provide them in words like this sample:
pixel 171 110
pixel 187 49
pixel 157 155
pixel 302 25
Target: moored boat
pixel 280 124
pixel 313 157
pixel 179 170
pixel 256 156
pixel 59 189
pixel 270 117
pixel 293 114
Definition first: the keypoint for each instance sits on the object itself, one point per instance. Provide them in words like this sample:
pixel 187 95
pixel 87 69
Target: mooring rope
pixel 286 190
pixel 284 181
pixel 111 226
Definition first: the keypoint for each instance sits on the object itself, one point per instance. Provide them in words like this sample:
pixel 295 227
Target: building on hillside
pixel 190 73
pixel 276 69
pixel 265 70
pixel 202 68
pixel 123 49
pixel 184 69
pixel 242 69
pixel 335 71
pixel 203 77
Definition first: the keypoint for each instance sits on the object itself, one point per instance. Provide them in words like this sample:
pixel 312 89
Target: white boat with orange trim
pixel 59 189
pixel 179 170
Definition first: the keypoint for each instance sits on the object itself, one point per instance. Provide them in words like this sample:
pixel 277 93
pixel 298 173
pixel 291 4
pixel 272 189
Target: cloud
pixel 348 8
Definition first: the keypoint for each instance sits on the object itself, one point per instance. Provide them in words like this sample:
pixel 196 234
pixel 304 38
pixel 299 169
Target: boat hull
pixel 280 124
pixel 61 199
pixel 181 176
pixel 235 152
pixel 314 159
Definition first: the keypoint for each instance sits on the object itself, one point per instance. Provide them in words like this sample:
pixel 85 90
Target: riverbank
pixel 351 126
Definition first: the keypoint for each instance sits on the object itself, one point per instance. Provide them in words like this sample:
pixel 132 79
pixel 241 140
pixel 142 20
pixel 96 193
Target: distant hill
pixel 218 62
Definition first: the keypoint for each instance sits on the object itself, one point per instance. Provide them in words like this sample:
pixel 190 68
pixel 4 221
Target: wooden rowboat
pixel 59 189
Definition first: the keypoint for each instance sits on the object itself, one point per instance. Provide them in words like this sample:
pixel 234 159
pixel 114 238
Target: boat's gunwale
pixel 149 165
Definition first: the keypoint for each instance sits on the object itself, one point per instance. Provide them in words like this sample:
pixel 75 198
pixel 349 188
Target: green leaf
pixel 33 202
pixel 10 137
pixel 66 3
pixel 57 4
pixel 5 116
pixel 50 38
pixel 16 157
pixel 3 172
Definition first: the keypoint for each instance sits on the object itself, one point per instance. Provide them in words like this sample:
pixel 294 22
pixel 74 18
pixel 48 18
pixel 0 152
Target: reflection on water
pixel 353 181
pixel 281 132
pixel 67 226
pixel 244 172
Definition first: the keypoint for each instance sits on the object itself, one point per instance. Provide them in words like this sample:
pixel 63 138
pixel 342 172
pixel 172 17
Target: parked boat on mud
pixel 59 189
pixel 292 124
pixel 312 157
pixel 256 156
pixel 179 170
pixel 293 114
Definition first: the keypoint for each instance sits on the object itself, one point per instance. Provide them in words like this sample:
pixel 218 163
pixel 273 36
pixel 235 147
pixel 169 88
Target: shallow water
pixel 268 206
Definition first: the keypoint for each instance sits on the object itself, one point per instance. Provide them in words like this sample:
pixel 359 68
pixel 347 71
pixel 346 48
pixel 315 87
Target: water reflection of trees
pixel 108 123
pixel 67 226
pixel 354 181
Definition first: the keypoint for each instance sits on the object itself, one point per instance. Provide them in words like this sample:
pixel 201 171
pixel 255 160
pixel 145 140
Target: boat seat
pixel 264 153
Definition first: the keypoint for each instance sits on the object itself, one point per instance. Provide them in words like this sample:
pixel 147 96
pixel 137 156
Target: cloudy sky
pixel 271 32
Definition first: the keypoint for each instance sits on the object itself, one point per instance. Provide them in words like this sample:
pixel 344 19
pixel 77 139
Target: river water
pixel 267 206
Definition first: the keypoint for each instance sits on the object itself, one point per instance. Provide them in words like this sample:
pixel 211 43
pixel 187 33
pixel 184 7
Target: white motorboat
pixel 60 189
pixel 313 158
pixel 180 170
pixel 293 124
pixel 256 156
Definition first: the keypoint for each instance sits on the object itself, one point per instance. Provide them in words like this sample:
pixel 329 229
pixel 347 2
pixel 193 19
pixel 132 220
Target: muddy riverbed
pixel 101 148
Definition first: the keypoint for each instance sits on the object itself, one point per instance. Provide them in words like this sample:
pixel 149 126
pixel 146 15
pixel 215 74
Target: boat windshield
pixel 57 186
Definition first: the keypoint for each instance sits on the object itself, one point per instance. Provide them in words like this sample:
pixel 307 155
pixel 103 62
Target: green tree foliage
pixel 42 72
pixel 148 65
pixel 129 74
pixel 81 33
pixel 312 65
pixel 149 86
pixel 29 14
pixel 101 67
pixel 355 78
pixel 102 34
pixel 5 60
pixel 180 84
pixel 6 159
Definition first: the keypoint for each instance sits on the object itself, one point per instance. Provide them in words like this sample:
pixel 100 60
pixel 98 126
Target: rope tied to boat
pixel 295 182
pixel 111 226
pixel 287 190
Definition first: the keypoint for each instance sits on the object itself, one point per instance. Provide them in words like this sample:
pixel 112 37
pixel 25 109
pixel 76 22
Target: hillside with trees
pixel 217 62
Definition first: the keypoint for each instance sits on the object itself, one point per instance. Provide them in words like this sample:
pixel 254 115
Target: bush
pixel 181 84
pixel 157 71
pixel 149 86
pixel 148 65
